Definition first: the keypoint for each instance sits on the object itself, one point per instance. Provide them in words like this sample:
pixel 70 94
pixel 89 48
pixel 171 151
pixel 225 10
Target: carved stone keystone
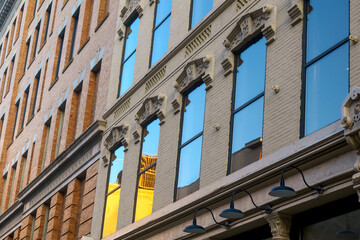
pixel 280 225
pixel 153 106
pixel 117 136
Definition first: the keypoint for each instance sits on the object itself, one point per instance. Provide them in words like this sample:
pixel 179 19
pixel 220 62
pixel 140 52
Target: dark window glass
pixel 128 62
pixel 248 106
pixel 75 19
pixel 27 53
pixel 199 10
pixel 161 30
pixel 346 226
pixel 328 24
pixel 36 39
pixel 26 95
pixel 61 36
pixel 48 13
pixel 147 170
pixel 191 142
pixel 113 192
pixel 327 63
pixel 17 111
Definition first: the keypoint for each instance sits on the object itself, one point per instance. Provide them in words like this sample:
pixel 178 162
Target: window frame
pixel 154 30
pixel 306 64
pixel 191 14
pixel 234 111
pixel 123 61
pixel 182 145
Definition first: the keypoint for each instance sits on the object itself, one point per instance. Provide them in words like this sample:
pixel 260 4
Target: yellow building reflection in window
pixel 113 193
pixel 147 170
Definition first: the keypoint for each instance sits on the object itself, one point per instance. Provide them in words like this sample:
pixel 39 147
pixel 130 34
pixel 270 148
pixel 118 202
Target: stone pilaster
pixel 280 225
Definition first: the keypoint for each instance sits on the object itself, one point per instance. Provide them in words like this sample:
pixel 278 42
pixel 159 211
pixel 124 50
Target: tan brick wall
pixel 26 225
pixel 39 222
pixel 55 217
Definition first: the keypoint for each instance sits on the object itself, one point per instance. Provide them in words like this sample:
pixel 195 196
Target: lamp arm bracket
pixel 227 226
pixel 267 208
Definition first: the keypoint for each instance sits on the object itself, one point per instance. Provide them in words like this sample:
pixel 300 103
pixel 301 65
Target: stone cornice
pixel 87 140
pixel 267 169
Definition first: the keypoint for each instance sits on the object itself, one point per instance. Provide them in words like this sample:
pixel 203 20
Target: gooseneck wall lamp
pixel 234 213
pixel 194 228
pixel 285 191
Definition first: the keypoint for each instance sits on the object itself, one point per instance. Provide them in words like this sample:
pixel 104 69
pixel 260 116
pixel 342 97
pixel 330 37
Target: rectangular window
pixel 43 84
pixel 3 192
pixel 59 122
pixel 46 24
pixel 193 112
pixel 12 35
pixel 54 15
pixel 10 75
pixel 3 83
pixel 326 64
pixel 44 144
pixel 30 164
pixel 19 22
pixel 113 191
pixel 34 95
pixel 248 106
pixel 17 111
pixel 23 110
pixel 34 8
pixel 12 181
pixel 103 10
pixel 199 9
pixel 22 171
pixel 5 45
pixel 90 106
pixel 57 59
pixel 35 43
pixel 72 36
pixel 27 53
pixel 86 22
pixel 73 116
pixel 161 30
pixel 147 170
pixel 2 119
pixel 128 62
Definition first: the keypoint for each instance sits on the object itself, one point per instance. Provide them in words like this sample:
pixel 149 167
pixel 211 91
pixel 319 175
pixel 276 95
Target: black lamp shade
pixel 347 234
pixel 231 213
pixel 282 191
pixel 194 229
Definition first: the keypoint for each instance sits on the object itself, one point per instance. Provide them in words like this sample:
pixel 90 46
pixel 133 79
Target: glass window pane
pixel 145 194
pixel 111 212
pixel 346 226
pixel 151 138
pixel 328 23
pixel 161 40
pixel 193 122
pixel 163 9
pixel 327 84
pixel 131 41
pixel 189 169
pixel 117 166
pixel 248 124
pixel 127 74
pixel 250 78
pixel 199 10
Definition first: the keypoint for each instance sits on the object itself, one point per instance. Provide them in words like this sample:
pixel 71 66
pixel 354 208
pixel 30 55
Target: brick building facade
pixel 204 102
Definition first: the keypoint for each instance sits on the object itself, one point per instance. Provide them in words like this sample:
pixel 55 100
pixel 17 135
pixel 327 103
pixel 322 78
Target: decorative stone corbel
pixel 176 103
pixel 296 11
pixel 228 64
pixel 136 135
pixel 280 225
pixel 350 121
pixel 151 2
pixel 121 32
pixel 153 106
pixel 118 135
pixel 199 69
pixel 130 9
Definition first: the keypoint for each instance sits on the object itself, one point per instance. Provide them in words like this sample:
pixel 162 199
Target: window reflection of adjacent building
pixel 113 192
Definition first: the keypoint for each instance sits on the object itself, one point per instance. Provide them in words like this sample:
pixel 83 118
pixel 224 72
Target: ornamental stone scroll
pixel 131 9
pixel 350 121
pixel 117 135
pixel 152 107
pixel 250 25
